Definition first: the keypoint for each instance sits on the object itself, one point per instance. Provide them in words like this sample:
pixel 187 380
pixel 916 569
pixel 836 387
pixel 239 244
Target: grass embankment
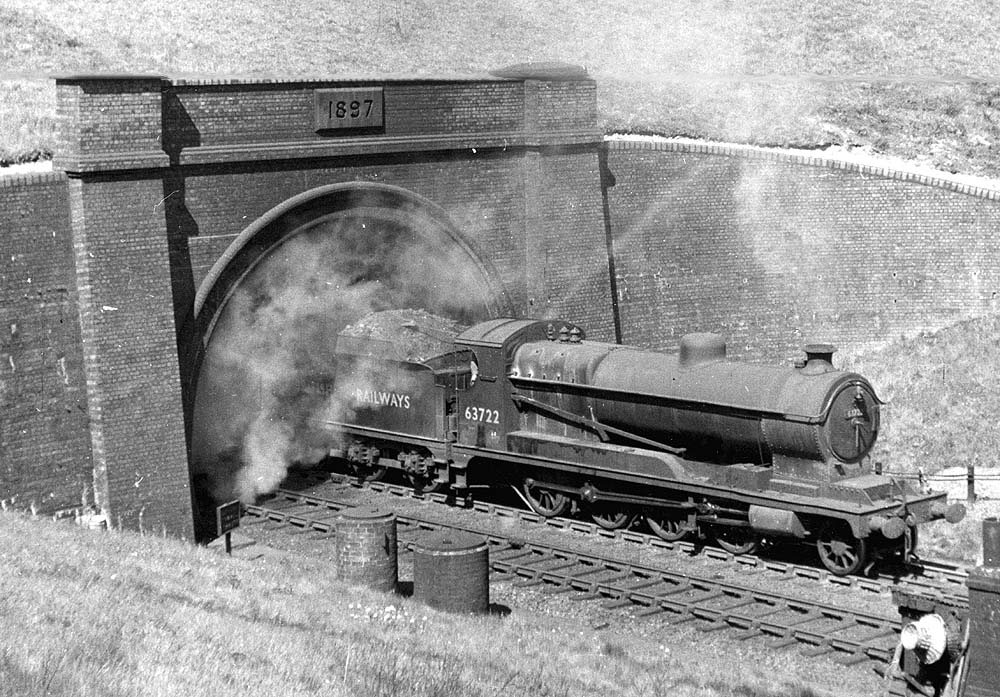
pixel 894 77
pixel 942 391
pixel 113 614
pixel 941 388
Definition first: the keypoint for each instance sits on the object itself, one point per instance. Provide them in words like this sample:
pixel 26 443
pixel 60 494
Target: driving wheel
pixel 839 550
pixel 545 502
pixel 736 539
pixel 667 526
pixel 611 517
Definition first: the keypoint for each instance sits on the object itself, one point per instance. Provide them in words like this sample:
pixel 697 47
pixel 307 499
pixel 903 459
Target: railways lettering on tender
pixel 388 399
pixel 695 444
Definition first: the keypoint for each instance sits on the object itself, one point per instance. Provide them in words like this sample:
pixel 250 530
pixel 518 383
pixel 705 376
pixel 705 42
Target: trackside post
pixel 227 519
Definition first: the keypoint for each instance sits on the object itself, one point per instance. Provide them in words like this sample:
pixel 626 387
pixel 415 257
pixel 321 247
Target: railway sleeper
pixel 649 612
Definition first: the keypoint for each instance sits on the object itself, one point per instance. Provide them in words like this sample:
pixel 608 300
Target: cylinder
pixel 366 548
pixel 451 571
pixel 776 521
pixel 991 543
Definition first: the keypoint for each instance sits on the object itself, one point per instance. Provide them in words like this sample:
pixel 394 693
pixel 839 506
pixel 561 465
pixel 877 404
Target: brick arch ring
pixel 255 242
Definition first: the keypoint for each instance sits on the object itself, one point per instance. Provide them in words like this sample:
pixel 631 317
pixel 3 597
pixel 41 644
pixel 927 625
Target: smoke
pixel 265 386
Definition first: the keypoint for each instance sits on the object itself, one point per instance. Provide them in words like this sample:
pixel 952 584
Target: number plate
pixel 490 416
pixel 340 109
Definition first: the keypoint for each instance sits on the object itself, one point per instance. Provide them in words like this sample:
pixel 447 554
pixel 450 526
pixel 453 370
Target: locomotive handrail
pixel 676 402
pixel 594 424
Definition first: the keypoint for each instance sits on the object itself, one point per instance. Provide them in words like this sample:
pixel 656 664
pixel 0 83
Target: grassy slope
pixel 115 614
pixel 766 72
pixel 941 389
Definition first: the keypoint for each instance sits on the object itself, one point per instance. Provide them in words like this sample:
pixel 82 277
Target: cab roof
pixel 495 333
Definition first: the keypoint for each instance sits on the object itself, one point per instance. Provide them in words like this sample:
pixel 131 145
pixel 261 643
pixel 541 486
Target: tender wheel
pixel 670 527
pixel 545 502
pixel 368 473
pixel 611 517
pixel 840 551
pixel 736 539
pixel 424 482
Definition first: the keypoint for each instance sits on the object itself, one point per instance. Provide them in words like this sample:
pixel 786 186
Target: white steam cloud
pixel 264 384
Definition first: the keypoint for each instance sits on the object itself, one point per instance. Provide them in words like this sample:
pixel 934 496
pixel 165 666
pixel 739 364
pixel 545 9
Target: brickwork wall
pixel 774 251
pixel 536 218
pixel 44 444
pixel 566 257
pixel 130 353
pixel 211 114
pixel 108 123
pixel 565 105
pixel 461 144
pixel 481 193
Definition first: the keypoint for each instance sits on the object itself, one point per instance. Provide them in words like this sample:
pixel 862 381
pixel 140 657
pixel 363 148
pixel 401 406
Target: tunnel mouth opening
pixel 258 391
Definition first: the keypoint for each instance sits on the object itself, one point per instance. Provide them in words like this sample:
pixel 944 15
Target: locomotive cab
pixel 485 412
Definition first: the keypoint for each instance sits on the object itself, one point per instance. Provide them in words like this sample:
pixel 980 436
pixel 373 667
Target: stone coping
pixel 847 160
pixel 40 172
pixel 851 161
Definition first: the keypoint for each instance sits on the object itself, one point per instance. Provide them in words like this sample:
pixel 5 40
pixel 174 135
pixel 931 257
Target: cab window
pixel 455 371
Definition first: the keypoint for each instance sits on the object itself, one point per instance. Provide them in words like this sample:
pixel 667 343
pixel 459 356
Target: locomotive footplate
pixel 890 516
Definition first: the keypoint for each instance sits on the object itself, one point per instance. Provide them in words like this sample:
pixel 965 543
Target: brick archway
pixel 289 218
pixel 267 315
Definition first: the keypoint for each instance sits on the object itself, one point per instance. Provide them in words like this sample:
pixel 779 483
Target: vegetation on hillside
pixel 940 389
pixel 914 79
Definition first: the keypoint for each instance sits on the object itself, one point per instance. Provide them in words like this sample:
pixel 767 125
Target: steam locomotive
pixel 692 442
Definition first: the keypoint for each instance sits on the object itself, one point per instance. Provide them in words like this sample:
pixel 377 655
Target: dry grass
pixel 117 615
pixel 962 542
pixel 940 387
pixel 903 78
pixel 942 391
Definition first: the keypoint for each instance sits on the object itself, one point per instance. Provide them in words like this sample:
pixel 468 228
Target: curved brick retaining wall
pixel 772 249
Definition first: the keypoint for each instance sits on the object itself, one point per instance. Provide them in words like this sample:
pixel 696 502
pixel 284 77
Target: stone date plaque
pixel 349 108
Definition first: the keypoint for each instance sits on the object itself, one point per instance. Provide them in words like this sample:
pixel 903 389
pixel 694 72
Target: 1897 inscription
pixel 346 108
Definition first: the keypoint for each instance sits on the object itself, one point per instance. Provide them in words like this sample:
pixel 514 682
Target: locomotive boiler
pixel 692 442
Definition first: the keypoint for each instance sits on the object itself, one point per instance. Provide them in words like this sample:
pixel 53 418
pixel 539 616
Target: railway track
pixel 647 592
pixel 926 576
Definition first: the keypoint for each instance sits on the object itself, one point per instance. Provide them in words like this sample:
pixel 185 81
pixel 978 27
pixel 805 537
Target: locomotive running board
pixel 606 458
